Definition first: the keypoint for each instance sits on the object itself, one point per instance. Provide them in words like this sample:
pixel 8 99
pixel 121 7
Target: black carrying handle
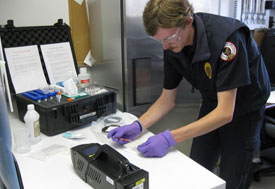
pixel 10 24
pixel 123 162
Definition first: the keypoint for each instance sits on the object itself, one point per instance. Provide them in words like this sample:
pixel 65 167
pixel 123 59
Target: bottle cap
pixel 83 70
pixel 30 107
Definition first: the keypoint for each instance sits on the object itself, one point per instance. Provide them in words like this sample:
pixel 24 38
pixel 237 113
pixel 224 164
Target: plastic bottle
pixel 84 78
pixel 31 119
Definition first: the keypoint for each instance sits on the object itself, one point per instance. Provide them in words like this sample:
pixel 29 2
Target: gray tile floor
pixel 267 182
pixel 184 114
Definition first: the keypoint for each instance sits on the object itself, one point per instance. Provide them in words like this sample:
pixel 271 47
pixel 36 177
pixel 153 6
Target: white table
pixel 175 170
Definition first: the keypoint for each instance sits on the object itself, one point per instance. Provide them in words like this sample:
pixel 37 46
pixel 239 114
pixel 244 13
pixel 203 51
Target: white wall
pixel 33 12
pixel 46 12
pixel 227 8
pixel 210 6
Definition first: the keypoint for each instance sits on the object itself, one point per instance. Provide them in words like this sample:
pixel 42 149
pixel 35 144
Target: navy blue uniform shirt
pixel 225 57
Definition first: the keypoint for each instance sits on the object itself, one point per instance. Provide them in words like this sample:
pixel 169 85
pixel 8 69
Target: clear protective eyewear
pixel 176 37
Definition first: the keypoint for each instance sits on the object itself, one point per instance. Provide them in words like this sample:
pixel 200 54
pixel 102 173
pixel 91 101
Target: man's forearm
pixel 155 113
pixel 161 107
pixel 220 116
pixel 206 124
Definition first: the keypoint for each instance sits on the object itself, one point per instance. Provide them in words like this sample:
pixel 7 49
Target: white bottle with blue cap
pixel 31 119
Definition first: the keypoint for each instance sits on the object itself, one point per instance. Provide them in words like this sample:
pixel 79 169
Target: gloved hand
pixel 125 134
pixel 158 145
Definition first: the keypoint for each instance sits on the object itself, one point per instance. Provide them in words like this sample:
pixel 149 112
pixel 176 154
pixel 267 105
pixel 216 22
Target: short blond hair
pixel 166 14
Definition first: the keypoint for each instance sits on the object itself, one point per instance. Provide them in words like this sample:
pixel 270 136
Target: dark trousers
pixel 235 144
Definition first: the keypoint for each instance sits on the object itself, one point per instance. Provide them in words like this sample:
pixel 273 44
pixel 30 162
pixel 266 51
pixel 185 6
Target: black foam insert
pixel 12 36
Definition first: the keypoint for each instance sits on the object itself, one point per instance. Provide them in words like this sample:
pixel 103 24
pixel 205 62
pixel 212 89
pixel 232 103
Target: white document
pixel 25 68
pixel 59 61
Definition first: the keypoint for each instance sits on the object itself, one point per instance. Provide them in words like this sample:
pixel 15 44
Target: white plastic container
pixel 31 119
pixel 84 78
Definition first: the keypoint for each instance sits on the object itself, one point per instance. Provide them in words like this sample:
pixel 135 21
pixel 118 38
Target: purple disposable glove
pixel 125 134
pixel 158 145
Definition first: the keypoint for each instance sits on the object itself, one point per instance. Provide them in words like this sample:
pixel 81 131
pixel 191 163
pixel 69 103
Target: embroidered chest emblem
pixel 229 52
pixel 208 70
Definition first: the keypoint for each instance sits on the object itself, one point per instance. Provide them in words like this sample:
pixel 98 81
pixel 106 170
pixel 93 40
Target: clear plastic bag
pixel 45 153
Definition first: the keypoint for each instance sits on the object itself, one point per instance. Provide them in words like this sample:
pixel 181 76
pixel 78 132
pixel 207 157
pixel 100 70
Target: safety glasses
pixel 176 37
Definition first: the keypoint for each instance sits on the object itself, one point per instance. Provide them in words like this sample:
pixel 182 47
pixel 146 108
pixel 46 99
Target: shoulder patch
pixel 229 52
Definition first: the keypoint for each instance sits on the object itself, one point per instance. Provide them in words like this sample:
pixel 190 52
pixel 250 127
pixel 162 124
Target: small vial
pixel 39 100
pixel 58 96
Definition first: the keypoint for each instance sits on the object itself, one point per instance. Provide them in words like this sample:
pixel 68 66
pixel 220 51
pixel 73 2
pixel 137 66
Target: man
pixel 218 57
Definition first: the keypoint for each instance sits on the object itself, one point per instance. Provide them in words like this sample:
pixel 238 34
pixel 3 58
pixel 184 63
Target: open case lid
pixel 12 36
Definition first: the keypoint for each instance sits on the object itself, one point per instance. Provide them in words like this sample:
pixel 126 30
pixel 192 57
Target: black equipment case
pixel 103 167
pixel 55 117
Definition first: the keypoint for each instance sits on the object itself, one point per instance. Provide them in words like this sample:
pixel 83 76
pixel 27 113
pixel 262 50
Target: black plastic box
pixel 55 117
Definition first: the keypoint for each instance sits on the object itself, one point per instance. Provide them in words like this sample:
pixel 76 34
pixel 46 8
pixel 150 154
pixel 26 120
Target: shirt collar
pixel 202 51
